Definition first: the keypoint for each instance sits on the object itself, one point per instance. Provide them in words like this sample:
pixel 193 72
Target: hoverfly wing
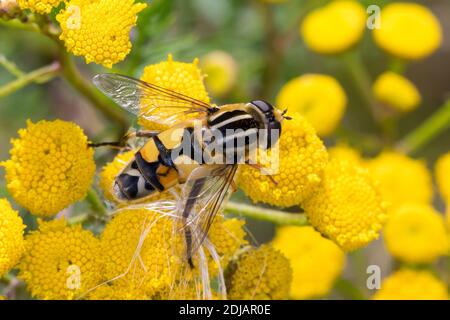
pixel 149 101
pixel 203 195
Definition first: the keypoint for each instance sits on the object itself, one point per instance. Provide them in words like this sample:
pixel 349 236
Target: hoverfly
pixel 154 167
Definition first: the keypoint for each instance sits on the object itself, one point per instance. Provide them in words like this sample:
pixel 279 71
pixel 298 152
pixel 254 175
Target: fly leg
pixel 122 143
pixel 261 168
pixel 190 202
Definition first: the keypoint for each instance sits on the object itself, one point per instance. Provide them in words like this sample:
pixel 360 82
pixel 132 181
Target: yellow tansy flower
pixel 412 285
pixel 396 91
pixel 11 237
pixel 221 72
pixel 51 166
pixel 344 152
pixel 260 274
pixel 335 27
pixel 99 30
pixel 443 176
pixel 408 31
pixel 39 6
pixel 318 97
pixel 347 208
pixel 302 159
pixel 60 261
pixel 316 262
pixel 416 233
pixel 401 179
pixel 184 78
pixel 117 292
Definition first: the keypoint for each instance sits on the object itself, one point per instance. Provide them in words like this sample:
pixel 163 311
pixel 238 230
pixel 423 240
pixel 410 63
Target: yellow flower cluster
pixel 51 166
pixel 99 30
pixel 396 92
pixel 221 72
pixel 61 261
pixel 344 152
pixel 408 31
pixel 335 27
pixel 347 208
pixel 260 274
pixel 140 251
pixel 11 237
pixel 416 233
pixel 184 78
pixel 443 176
pixel 316 262
pixel 412 285
pixel 117 292
pixel 402 179
pixel 302 159
pixel 39 6
pixel 319 98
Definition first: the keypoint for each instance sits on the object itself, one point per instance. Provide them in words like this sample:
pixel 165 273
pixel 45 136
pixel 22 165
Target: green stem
pixel 96 204
pixel 275 216
pixel 11 67
pixel 348 289
pixel 437 123
pixel 44 72
pixel 99 101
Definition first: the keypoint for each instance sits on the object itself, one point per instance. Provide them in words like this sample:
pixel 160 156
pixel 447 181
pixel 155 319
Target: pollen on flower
pixel 99 30
pixel 409 284
pixel 60 261
pixel 51 166
pixel 335 27
pixel 39 6
pixel 347 208
pixel 11 235
pixel 260 274
pixel 396 92
pixel 180 77
pixel 316 262
pixel 408 31
pixel 401 179
pixel 302 159
pixel 442 171
pixel 416 233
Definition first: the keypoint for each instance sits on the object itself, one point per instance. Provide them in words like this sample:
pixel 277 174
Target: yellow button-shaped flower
pixel 335 27
pixel 408 30
pixel 347 208
pixel 442 171
pixel 11 237
pixel 39 6
pixel 317 97
pixel 316 262
pixel 396 91
pixel 408 284
pixel 220 69
pixel 416 233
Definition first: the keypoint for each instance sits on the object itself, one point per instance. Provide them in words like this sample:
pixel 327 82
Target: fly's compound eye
pixel 262 105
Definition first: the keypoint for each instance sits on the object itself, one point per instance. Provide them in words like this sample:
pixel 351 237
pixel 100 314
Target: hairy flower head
pixel 302 159
pixel 416 233
pixel 408 30
pixel 409 284
pixel 39 6
pixel 260 274
pixel 11 237
pixel 99 30
pixel 51 166
pixel 335 27
pixel 442 171
pixel 396 91
pixel 401 179
pixel 60 262
pixel 221 72
pixel 347 208
pixel 316 262
pixel 180 77
pixel 318 97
